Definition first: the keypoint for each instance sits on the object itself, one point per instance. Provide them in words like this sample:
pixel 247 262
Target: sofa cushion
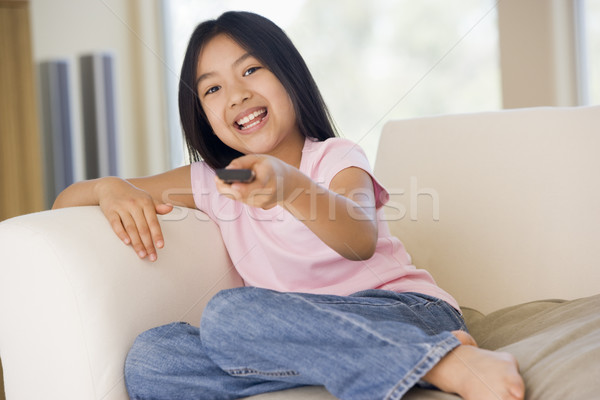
pixel 557 344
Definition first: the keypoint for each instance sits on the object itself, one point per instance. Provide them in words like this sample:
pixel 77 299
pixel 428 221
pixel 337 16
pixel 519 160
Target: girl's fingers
pixel 163 208
pixel 133 231
pixel 132 214
pixel 155 231
pixel 227 189
pixel 247 161
pixel 142 230
pixel 117 226
pixel 160 208
pixel 144 219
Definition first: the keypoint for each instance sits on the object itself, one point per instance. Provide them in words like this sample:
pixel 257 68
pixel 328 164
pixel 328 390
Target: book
pixel 99 115
pixel 56 127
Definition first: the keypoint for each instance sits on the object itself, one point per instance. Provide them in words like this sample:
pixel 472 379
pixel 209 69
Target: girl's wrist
pixel 104 186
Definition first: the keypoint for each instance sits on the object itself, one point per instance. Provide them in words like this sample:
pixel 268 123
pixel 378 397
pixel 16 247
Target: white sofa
pixel 503 208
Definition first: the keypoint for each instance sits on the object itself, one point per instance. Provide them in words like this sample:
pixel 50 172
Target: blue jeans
pixel 374 344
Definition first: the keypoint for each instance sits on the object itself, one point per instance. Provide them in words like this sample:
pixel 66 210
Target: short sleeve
pixel 337 154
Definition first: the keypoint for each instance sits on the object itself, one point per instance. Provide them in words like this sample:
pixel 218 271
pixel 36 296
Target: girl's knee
pixel 233 312
pixel 145 361
pixel 234 303
pixel 138 364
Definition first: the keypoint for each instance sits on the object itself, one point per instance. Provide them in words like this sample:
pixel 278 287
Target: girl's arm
pixel 343 215
pixel 131 205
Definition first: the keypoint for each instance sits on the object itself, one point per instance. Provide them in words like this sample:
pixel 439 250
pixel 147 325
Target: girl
pixel 331 297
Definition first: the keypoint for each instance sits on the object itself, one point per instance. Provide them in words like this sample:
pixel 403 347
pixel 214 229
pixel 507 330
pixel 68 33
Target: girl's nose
pixel 239 94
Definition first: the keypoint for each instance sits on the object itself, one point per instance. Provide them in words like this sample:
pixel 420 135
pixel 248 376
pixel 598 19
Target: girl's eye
pixel 212 90
pixel 251 70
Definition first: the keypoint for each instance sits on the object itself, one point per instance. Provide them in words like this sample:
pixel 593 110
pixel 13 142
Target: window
pixel 376 60
pixel 591 50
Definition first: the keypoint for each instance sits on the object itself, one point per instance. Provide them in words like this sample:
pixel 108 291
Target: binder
pixel 99 115
pixel 56 127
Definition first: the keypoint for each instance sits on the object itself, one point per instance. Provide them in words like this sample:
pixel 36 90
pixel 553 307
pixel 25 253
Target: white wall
pixel 131 30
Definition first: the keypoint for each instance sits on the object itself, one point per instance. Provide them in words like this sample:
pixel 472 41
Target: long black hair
pixel 271 46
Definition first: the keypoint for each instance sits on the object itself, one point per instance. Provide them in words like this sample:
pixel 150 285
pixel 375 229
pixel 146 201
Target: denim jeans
pixel 374 344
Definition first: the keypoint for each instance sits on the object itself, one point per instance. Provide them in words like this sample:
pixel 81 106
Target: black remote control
pixel 235 175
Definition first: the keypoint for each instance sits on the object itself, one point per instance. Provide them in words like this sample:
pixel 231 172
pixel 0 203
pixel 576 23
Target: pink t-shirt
pixel 272 249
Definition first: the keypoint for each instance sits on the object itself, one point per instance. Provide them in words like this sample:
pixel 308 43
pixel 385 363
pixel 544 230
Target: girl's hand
pixel 267 188
pixel 132 214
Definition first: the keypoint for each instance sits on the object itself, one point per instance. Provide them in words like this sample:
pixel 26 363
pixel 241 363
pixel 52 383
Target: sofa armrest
pixel 73 297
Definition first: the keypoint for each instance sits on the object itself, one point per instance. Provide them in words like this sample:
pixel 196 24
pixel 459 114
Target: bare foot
pixel 477 374
pixel 465 338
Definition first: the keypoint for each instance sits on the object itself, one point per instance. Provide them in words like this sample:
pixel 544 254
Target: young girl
pixel 331 297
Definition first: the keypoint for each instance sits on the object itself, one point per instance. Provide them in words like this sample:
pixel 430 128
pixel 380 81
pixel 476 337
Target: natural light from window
pixel 377 60
pixel 592 49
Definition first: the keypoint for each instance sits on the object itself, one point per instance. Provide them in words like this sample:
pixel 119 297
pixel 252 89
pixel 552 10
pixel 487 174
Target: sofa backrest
pixel 501 207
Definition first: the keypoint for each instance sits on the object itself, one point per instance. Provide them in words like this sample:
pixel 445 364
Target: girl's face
pixel 246 105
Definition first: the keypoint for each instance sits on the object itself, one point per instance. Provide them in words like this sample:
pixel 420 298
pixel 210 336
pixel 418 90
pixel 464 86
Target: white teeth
pixel 250 117
pixel 251 125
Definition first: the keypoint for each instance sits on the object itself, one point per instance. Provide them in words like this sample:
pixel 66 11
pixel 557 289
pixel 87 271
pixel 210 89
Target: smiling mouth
pixel 251 119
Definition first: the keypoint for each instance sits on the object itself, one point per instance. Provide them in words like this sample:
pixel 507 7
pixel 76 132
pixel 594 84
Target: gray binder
pixel 56 124
pixel 99 114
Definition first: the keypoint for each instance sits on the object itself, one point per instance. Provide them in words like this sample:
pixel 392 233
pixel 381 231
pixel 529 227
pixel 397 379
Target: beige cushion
pixel 557 344
pixel 501 207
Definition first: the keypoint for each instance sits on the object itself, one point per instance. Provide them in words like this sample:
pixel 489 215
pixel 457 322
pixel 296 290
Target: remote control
pixel 235 175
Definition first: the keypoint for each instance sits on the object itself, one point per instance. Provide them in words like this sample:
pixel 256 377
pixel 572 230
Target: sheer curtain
pixel 591 49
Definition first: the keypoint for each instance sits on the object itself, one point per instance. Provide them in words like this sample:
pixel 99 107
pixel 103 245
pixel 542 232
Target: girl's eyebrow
pixel 233 65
